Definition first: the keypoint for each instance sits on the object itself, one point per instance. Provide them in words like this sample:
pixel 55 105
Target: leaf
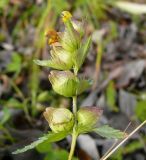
pixel 44 96
pixel 60 59
pixel 6 116
pixel 111 96
pixel 44 63
pixel 134 8
pixel 83 85
pixel 82 53
pixel 15 64
pixel 52 152
pixel 14 103
pixel 109 132
pixel 44 147
pixel 3 4
pixel 58 6
pixel 141 110
pixel 51 137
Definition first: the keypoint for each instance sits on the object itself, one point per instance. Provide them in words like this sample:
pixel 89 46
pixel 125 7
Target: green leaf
pixel 111 96
pixel 109 132
pixel 58 6
pixel 52 153
pixel 44 63
pixel 83 85
pixel 82 53
pixel 133 146
pixel 60 59
pixel 15 64
pixel 58 154
pixel 44 96
pixel 141 110
pixel 6 116
pixel 14 103
pixel 3 4
pixel 130 7
pixel 51 137
pixel 44 147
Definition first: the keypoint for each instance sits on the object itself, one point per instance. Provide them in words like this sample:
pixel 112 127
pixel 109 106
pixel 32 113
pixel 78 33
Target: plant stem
pixel 98 64
pixel 75 108
pixel 74 134
pixel 73 144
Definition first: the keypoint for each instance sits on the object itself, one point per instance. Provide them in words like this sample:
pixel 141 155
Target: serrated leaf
pixel 109 132
pixel 51 137
pixel 134 8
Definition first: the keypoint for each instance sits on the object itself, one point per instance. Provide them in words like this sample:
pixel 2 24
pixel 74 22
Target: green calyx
pixel 67 84
pixel 70 40
pixel 64 83
pixel 59 119
pixel 60 59
pixel 87 118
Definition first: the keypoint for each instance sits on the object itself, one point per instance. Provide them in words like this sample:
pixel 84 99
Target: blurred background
pixel 116 62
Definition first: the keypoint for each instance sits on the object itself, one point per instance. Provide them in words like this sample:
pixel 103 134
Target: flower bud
pixel 59 119
pixel 64 83
pixel 88 117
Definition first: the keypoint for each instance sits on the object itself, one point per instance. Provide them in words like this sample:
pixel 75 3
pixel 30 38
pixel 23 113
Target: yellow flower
pixel 52 36
pixel 66 16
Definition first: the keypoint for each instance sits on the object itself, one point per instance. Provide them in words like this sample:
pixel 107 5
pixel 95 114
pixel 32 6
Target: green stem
pixel 75 108
pixel 73 144
pixel 74 134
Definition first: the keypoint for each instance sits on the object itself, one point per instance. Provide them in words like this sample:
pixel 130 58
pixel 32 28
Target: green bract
pixel 82 53
pixel 59 119
pixel 70 40
pixel 60 59
pixel 87 118
pixel 78 26
pixel 64 83
pixel 67 84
